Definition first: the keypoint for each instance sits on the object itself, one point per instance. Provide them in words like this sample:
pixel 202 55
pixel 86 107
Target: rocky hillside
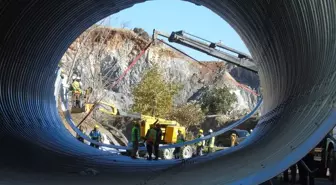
pixel 102 54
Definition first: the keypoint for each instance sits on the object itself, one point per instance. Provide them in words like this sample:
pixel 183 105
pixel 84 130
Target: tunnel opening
pixel 296 59
pixel 100 54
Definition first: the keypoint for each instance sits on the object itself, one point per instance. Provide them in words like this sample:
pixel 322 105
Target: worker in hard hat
pixel 157 140
pixel 96 136
pixel 135 139
pixel 211 143
pixel 76 92
pixel 150 140
pixel 200 145
pixel 179 139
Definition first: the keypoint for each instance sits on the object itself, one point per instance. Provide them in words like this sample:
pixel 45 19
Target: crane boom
pixel 242 60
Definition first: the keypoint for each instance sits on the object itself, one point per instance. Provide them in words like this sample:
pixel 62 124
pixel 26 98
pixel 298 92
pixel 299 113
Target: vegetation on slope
pixel 153 96
pixel 218 101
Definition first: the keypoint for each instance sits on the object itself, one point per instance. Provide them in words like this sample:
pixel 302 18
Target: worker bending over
pixel 96 136
pixel 135 139
pixel 150 140
pixel 211 143
pixel 157 140
pixel 180 139
pixel 200 145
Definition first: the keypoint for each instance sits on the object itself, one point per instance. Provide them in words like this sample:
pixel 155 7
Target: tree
pixel 218 101
pixel 188 115
pixel 153 96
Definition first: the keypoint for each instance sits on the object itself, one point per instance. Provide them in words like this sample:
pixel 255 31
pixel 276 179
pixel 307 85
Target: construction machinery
pixel 104 107
pixel 186 39
pixel 169 130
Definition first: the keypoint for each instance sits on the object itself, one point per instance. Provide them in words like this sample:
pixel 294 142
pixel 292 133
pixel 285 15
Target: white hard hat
pixel 210 130
pixel 78 78
pixel 74 77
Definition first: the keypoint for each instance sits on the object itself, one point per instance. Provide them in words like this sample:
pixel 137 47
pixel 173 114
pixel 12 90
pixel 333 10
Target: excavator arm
pixel 242 60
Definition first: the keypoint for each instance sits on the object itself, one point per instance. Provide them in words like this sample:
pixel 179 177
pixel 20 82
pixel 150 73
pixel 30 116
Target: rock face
pixel 244 76
pixel 108 52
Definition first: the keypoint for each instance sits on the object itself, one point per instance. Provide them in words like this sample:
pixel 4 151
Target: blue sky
pixel 175 15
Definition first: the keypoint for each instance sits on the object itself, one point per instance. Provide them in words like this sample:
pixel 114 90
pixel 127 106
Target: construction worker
pixel 157 140
pixel 211 143
pixel 78 136
pixel 150 140
pixel 135 139
pixel 76 92
pixel 96 136
pixel 180 139
pixel 200 145
pixel 88 93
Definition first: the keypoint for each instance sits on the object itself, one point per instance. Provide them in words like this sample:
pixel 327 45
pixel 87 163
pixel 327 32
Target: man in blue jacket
pixel 96 136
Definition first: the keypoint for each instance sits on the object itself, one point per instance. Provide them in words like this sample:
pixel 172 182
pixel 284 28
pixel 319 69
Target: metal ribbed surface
pixel 293 41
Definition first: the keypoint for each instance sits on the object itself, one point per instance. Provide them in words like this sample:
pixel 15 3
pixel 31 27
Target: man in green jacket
pixel 151 136
pixel 135 139
pixel 179 139
pixel 200 145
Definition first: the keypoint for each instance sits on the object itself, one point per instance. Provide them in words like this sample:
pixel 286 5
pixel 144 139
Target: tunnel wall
pixel 293 43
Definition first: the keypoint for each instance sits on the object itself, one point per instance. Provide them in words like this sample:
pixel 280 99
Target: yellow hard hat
pixel 96 126
pixel 200 130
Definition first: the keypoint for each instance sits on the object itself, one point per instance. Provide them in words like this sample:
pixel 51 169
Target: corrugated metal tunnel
pixel 293 42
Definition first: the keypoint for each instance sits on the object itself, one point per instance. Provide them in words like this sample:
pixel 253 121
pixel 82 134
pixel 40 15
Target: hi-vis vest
pixel 180 138
pixel 76 87
pixel 212 142
pixel 151 135
pixel 201 143
pixel 135 134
